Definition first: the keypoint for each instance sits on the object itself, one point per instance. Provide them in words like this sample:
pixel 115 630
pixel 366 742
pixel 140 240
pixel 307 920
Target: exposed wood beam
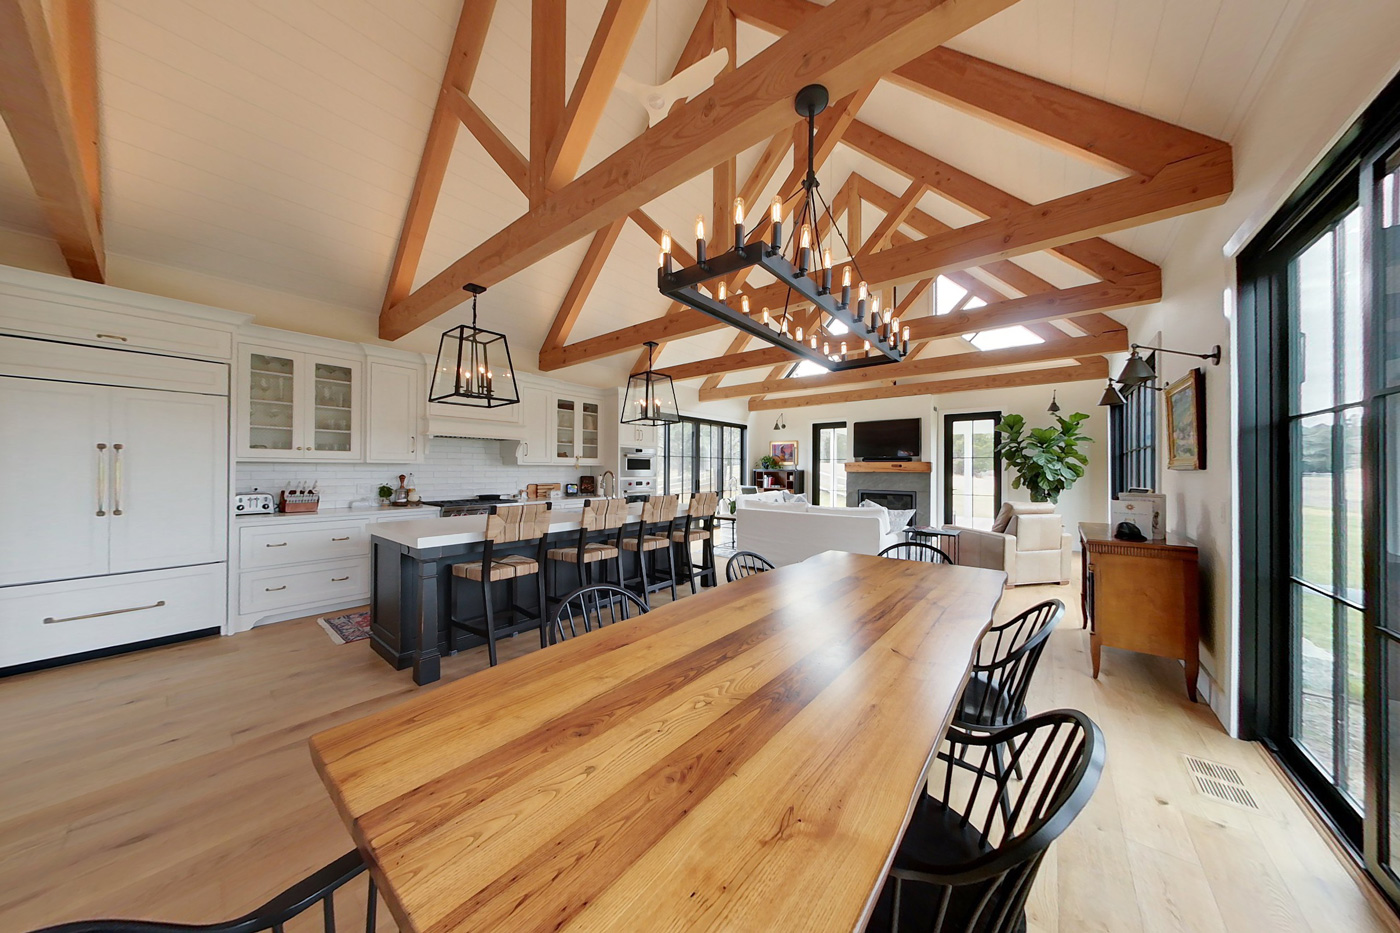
pixel 497 146
pixel 845 46
pixel 1098 257
pixel 582 285
pixel 1048 306
pixel 654 230
pixel 1063 349
pixel 1179 188
pixel 56 141
pixel 1080 372
pixel 462 61
pixel 611 41
pixel 699 44
pixel 548 21
pixel 723 180
pixel 71 23
pixel 1082 124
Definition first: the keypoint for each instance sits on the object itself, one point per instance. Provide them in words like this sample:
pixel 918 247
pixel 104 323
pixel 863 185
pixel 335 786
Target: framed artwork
pixel 785 451
pixel 1186 422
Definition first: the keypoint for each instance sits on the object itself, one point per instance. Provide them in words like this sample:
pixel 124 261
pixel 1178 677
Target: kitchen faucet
pixel 606 488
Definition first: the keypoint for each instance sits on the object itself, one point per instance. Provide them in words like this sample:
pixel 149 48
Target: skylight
pixel 807 368
pixel 1003 337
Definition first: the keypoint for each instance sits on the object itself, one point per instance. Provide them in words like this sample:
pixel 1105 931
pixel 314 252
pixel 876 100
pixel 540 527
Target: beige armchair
pixel 1029 543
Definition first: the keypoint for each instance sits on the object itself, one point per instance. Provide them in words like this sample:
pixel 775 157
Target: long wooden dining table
pixel 744 759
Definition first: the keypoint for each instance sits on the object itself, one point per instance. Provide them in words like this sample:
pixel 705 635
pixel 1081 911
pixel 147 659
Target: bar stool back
pixel 656 510
pixel 699 525
pixel 598 515
pixel 506 524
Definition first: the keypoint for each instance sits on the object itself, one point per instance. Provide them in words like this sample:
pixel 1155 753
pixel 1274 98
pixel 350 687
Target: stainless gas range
pixel 473 505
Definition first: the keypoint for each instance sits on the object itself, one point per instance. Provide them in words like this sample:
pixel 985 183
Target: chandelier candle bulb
pixel 775 215
pixel 814 341
pixel 826 272
pixel 744 303
pixel 804 252
pixel 767 320
pixel 846 287
pixel 700 239
pixel 738 223
pixel 799 333
pixel 905 348
pixel 874 322
pixel 666 252
pixel 861 300
pixel 723 292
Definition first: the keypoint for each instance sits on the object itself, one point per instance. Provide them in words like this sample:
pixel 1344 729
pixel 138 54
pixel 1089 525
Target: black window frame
pixel 1132 439
pixel 664 453
pixel 947 459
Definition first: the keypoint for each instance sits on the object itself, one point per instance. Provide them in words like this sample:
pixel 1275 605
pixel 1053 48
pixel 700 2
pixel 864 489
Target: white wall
pixel 1085 502
pixel 1339 56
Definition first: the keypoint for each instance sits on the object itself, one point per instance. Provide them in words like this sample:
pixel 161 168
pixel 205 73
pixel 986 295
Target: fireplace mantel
pixel 890 466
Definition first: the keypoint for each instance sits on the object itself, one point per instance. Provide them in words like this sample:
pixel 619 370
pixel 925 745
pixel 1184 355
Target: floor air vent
pixel 1220 782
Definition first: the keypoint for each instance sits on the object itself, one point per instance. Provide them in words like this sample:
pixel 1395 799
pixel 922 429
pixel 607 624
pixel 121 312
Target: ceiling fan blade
pixel 657 99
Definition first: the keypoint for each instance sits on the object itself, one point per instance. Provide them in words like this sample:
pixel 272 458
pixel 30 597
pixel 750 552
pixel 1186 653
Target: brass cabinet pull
pixel 116 479
pixel 339 579
pixel 274 589
pixel 101 480
pixel 346 538
pixel 111 337
pixel 283 544
pixel 110 612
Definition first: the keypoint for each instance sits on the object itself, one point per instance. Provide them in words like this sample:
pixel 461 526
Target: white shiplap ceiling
pixel 275 142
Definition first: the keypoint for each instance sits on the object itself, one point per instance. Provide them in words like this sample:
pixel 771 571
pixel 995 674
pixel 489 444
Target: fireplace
pixel 891 498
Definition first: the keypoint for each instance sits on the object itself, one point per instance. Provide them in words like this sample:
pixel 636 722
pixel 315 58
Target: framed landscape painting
pixel 785 451
pixel 1186 422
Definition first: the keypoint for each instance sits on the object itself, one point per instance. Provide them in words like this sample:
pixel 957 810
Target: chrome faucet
pixel 605 488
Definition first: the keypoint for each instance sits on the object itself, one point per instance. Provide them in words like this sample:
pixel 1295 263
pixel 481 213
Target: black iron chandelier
pixel 844 336
pixel 473 365
pixel 651 396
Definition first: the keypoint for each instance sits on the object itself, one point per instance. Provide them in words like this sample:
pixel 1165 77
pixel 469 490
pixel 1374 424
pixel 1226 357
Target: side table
pixel 945 539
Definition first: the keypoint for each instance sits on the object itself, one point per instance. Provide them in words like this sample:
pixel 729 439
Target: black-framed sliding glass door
pixel 1319 445
pixel 971 469
pixel 832 445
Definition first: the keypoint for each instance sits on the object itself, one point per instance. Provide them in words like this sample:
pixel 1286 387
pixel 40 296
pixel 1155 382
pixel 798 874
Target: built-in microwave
pixel 638 461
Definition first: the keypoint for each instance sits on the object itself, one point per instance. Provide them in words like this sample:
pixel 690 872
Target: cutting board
pixel 541 490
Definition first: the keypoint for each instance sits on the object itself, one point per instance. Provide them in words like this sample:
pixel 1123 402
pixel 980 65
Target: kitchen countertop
pixel 373 513
pixel 466 529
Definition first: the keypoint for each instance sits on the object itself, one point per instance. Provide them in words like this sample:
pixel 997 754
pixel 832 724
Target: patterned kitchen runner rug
pixel 353 626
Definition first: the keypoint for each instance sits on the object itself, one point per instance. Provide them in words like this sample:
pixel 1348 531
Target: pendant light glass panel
pixel 650 399
pixel 474 369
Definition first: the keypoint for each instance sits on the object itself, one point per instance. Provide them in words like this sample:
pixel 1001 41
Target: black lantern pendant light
pixel 1054 408
pixel 473 366
pixel 651 396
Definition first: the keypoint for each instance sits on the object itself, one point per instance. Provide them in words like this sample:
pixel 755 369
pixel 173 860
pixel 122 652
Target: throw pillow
pixel 900 518
pixel 1003 518
pixel 885 516
pixel 793 496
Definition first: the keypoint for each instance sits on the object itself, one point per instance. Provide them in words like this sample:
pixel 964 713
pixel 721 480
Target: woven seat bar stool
pixel 605 515
pixel 698 524
pixel 649 546
pixel 506 524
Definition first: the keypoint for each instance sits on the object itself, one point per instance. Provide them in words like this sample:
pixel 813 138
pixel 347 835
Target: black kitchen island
pixel 411 584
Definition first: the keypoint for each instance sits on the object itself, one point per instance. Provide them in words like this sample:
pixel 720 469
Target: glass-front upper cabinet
pixel 577 426
pixel 297 406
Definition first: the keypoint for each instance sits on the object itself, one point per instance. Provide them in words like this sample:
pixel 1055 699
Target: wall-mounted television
pixel 897 439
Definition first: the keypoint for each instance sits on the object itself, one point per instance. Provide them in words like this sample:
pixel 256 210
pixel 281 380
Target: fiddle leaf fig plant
pixel 1047 461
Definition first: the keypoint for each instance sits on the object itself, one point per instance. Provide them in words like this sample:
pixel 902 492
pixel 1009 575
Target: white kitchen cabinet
pixel 576 429
pixel 637 435
pixel 394 413
pixel 169 449
pixel 536 409
pixel 296 405
pixel 109 479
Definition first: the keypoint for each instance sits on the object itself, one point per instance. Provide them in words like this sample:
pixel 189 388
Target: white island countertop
pixel 468 529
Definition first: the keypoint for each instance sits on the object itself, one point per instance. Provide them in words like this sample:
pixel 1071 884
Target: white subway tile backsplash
pixel 453 468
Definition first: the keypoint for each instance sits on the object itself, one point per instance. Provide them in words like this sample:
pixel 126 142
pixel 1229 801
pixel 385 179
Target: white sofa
pixel 789 532
pixel 1032 548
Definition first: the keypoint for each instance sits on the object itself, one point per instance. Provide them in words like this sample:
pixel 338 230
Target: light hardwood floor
pixel 176 784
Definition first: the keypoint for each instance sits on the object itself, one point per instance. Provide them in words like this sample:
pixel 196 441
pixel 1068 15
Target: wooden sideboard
pixel 1143 596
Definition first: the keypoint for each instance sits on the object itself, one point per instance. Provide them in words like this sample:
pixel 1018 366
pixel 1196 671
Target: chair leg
pixel 671 561
pixel 642 572
pixel 544 610
pixel 689 566
pixel 707 551
pixel 490 621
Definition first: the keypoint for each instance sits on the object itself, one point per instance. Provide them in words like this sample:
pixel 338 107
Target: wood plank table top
pixel 744 759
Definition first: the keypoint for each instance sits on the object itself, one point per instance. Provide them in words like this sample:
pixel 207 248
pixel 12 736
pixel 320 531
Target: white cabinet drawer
pixel 51 620
pixel 66 362
pixel 279 545
pixel 266 590
pixel 69 317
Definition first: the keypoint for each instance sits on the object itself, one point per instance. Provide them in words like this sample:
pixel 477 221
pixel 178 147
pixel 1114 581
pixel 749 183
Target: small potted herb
pixel 385 492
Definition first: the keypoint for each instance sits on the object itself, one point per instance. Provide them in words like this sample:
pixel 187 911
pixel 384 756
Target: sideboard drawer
pixel 344 582
pixel 297 543
pixel 53 620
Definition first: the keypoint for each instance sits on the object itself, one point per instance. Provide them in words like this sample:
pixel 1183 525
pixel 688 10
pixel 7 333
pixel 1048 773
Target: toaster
pixel 252 503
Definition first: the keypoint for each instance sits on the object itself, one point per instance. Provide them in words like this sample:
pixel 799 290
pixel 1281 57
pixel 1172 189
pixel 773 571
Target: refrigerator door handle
pixel 101 480
pixel 116 479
